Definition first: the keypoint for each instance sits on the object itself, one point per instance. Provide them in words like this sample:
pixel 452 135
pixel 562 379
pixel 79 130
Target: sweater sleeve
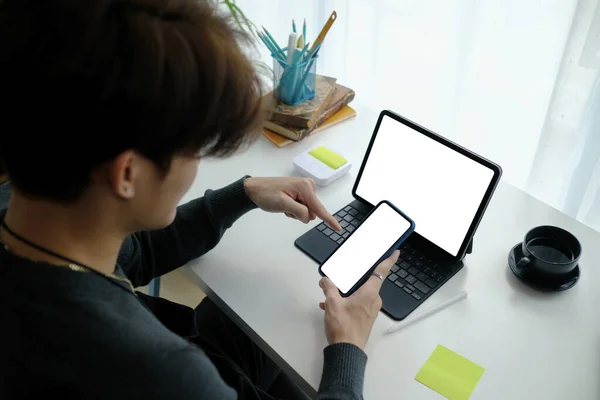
pixel 343 372
pixel 197 228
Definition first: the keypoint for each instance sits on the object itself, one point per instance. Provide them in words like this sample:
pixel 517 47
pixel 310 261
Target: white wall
pixel 480 72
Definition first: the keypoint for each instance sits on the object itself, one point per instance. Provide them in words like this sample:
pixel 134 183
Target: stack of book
pixel 288 124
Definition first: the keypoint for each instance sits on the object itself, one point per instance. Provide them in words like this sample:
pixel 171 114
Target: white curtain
pixel 566 171
pixel 505 78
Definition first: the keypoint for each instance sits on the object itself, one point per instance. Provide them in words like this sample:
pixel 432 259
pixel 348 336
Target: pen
pixel 427 312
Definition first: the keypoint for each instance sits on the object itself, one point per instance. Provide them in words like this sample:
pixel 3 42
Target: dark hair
pixel 83 81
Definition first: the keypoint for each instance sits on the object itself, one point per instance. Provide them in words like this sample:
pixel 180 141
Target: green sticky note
pixel 450 374
pixel 331 159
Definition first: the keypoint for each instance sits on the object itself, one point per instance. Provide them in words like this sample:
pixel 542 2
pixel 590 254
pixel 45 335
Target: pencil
pixel 298 88
pixel 270 47
pixel 274 42
pixel 428 312
pixel 294 26
pixel 298 57
pixel 304 30
pixel 313 51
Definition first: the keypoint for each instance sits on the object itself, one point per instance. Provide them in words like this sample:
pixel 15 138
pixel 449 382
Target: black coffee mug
pixel 550 251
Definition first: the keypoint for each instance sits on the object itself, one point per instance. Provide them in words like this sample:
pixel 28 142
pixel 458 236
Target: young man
pixel 108 107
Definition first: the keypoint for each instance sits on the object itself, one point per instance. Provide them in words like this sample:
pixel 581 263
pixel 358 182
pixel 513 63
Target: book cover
pixel 304 114
pixel 340 98
pixel 344 114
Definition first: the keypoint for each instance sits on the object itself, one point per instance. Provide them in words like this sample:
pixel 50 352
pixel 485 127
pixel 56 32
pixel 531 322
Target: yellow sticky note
pixel 450 374
pixel 330 158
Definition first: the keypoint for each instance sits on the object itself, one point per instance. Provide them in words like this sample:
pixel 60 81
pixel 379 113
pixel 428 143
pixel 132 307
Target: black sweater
pixel 80 335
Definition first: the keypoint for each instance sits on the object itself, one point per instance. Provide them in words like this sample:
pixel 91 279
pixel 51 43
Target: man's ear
pixel 122 172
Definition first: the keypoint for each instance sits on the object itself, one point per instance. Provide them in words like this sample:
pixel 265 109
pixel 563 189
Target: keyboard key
pixel 421 276
pixel 360 216
pixel 353 212
pixel 348 218
pixel 422 287
pixel 428 271
pixel 405 265
pixel 327 232
pixel 393 277
pixel 354 222
pixel 419 265
pixel 439 279
pixel 350 228
pixel 413 270
pixel 442 272
pixel 320 227
pixel 338 218
pixel 410 259
pixel 431 283
pixel 345 235
pixel 407 290
pixel 344 224
pixel 395 268
pixel 348 208
pixel 411 287
pixel 335 237
pixel 411 279
pixel 416 296
pixel 342 213
pixel 399 284
pixel 421 257
pixel 403 273
pixel 342 240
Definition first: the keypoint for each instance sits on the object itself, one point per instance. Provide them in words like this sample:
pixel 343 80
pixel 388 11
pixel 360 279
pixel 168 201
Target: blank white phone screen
pixel 376 235
pixel 436 186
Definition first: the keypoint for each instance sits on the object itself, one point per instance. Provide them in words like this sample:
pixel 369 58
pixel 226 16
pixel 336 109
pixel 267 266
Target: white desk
pixel 532 345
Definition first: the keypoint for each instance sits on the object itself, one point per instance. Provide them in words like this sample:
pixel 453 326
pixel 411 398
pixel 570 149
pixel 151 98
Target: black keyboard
pixel 349 218
pixel 417 274
pixel 414 272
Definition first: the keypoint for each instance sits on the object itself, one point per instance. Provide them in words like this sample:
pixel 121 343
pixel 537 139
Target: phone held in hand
pixel 383 230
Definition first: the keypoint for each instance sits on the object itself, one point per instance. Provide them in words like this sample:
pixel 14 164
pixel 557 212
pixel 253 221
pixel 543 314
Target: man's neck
pixel 72 231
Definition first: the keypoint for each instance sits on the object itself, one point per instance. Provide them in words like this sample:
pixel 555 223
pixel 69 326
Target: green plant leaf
pixel 251 27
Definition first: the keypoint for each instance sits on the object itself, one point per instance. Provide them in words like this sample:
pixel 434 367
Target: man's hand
pixel 295 197
pixel 350 319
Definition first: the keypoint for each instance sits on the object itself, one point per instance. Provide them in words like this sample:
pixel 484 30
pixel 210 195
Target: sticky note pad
pixel 450 374
pixel 331 159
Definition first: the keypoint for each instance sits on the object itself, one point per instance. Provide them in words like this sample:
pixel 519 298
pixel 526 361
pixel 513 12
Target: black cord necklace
pixel 73 265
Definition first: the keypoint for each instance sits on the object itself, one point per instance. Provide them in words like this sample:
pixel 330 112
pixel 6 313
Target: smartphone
pixel 382 231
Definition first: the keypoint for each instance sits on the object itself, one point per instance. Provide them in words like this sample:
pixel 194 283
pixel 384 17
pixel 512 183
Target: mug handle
pixel 523 263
